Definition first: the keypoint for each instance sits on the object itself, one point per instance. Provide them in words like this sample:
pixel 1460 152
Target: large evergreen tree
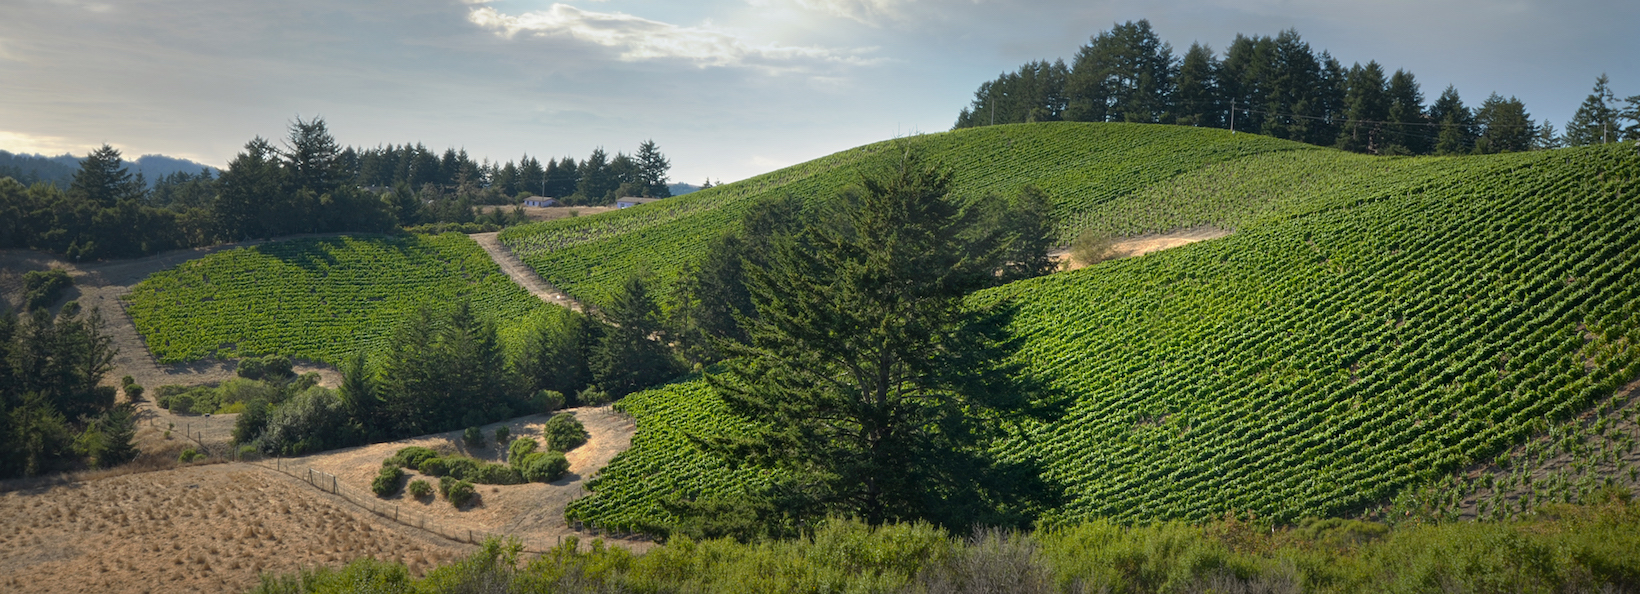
pixel 1596 119
pixel 652 168
pixel 311 155
pixel 1366 108
pixel 103 179
pixel 1122 75
pixel 630 355
pixel 1196 94
pixel 1456 133
pixel 869 381
pixel 1407 132
pixel 1505 127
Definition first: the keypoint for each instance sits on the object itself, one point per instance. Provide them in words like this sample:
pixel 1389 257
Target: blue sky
pixel 727 88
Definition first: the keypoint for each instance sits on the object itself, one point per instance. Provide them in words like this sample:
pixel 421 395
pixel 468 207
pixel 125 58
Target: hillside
pixel 60 170
pixel 318 298
pixel 1373 325
pixel 1078 165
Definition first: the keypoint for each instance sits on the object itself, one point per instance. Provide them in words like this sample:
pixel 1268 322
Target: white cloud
pixel 642 39
pixel 870 12
pixel 24 143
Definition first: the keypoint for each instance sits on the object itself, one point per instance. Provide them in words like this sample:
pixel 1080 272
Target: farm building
pixel 538 201
pixel 631 202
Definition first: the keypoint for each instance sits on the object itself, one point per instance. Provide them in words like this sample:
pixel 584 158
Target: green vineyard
pixel 1373 325
pixel 1078 165
pixel 319 299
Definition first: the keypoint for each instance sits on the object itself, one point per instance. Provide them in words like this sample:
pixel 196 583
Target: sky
pixel 727 88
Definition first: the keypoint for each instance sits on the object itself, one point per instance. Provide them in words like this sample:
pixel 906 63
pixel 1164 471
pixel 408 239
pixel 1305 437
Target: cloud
pixel 640 39
pixel 24 143
pixel 870 12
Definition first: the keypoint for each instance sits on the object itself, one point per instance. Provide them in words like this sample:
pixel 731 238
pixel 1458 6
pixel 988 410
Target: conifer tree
pixel 103 179
pixel 1366 107
pixel 1596 119
pixel 1196 93
pixel 1504 126
pixel 652 168
pixel 1456 134
pixel 630 356
pixel 1406 132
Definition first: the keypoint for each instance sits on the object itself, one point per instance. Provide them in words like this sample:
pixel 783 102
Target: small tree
pixel 629 357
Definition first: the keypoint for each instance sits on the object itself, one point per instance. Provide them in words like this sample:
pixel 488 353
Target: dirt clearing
pixel 1140 245
pixel 521 273
pixel 208 528
pixel 534 512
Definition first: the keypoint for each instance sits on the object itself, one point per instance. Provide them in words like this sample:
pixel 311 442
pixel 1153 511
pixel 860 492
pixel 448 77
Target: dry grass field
pixel 203 528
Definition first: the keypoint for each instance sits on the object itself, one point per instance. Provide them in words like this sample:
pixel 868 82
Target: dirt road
pixel 521 273
pixel 1129 247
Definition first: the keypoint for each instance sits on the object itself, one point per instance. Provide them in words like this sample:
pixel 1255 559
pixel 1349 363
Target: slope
pixel 1079 165
pixel 319 299
pixel 1373 325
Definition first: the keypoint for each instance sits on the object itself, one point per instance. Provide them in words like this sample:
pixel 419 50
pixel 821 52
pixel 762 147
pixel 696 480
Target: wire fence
pixel 388 510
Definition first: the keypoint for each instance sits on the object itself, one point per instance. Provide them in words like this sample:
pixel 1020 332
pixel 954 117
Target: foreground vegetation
pixel 1567 549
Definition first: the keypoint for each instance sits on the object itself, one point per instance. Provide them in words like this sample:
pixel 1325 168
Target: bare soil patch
pixel 534 512
pixel 521 273
pixel 1140 245
pixel 209 528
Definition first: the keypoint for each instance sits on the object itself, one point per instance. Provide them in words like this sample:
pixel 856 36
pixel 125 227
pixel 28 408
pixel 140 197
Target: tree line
pixel 309 185
pixel 1278 86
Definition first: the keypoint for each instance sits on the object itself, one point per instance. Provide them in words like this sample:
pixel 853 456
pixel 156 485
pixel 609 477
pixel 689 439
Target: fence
pixel 328 483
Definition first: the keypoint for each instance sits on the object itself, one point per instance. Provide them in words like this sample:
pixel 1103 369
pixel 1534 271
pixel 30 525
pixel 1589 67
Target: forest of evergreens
pixel 309 185
pixel 1279 86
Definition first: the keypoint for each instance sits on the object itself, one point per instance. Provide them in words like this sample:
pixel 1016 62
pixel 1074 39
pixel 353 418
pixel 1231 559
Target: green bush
pixel 496 474
pixel 387 481
pixel 563 432
pixel 43 287
pixel 501 434
pixel 434 467
pixel 180 404
pixel 473 437
pixel 411 457
pixel 419 488
pixel 133 393
pixel 470 469
pixel 459 492
pixel 543 467
pixel 546 401
pixel 593 397
pixel 190 455
pixel 520 447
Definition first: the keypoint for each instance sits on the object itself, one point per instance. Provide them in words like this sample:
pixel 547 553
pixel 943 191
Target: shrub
pixel 249 452
pixel 434 467
pixel 277 367
pixel 419 488
pixel 563 432
pixel 190 455
pixel 501 434
pixel 180 404
pixel 544 466
pixel 127 380
pixel 460 492
pixel 387 481
pixel 133 393
pixel 411 457
pixel 593 397
pixel 546 401
pixel 43 287
pixel 520 447
pixel 251 421
pixel 1091 248
pixel 249 369
pixel 313 420
pixel 444 483
pixel 495 474
pixel 473 437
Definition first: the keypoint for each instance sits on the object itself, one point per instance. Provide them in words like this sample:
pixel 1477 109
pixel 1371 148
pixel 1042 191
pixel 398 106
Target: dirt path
pixel 521 273
pixel 534 512
pixel 208 528
pixel 1129 247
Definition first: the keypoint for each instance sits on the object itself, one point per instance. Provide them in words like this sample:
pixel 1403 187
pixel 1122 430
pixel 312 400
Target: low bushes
pixel 387 481
pixel 543 466
pixel 420 488
pixel 520 447
pixel 458 492
pixel 411 457
pixel 478 471
pixel 563 432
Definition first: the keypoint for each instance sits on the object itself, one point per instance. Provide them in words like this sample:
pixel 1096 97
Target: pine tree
pixel 1367 106
pixel 1122 75
pixel 630 357
pixel 652 168
pixel 867 382
pixel 1290 106
pixel 1596 119
pixel 103 179
pixel 249 188
pixel 1457 124
pixel 1546 138
pixel 1504 126
pixel 596 178
pixel 531 177
pixel 1196 94
pixel 311 156
pixel 1406 133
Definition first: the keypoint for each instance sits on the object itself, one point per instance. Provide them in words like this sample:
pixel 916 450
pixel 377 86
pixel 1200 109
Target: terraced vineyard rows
pixel 1369 328
pixel 1078 165
pixel 319 299
pixel 662 461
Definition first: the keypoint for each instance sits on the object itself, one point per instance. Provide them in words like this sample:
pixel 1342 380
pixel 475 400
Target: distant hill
pixel 680 189
pixel 59 170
